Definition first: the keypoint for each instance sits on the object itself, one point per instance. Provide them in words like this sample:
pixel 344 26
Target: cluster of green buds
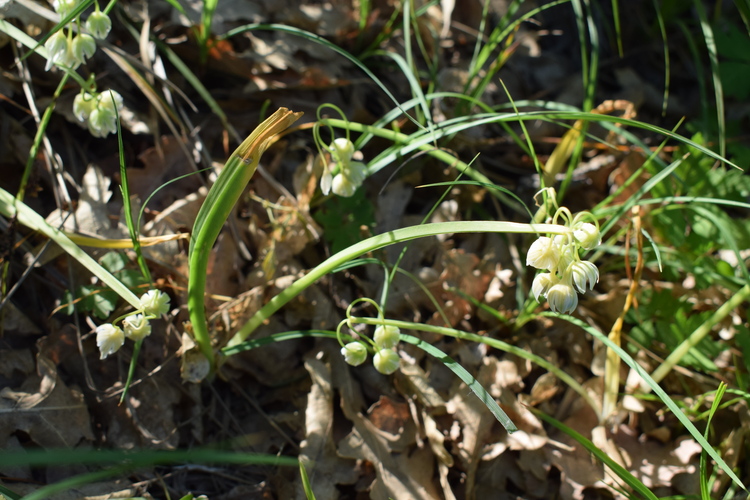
pixel 343 175
pixel 558 255
pixel 135 325
pixel 385 340
pixel 71 49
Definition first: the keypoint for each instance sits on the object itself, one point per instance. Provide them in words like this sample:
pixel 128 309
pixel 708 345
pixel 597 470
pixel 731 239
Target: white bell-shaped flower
pixel 155 303
pixel 109 338
pixel 562 298
pixel 58 50
pixel 83 104
pixel 136 327
pixel 83 47
pixel 587 235
pixel 542 283
pixel 585 275
pixel 99 24
pixel 544 253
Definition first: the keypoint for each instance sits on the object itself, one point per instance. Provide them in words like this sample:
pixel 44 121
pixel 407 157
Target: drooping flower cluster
pixel 566 272
pixel 136 326
pixel 386 359
pixel 99 111
pixel 71 49
pixel 342 175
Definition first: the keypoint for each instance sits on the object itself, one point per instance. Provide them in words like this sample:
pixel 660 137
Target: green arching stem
pixel 215 210
pixel 380 241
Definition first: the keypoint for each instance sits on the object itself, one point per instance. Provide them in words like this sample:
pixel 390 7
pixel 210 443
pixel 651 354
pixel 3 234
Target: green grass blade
pixel 618 469
pixel 10 207
pixel 306 486
pixel 325 43
pixel 204 29
pixel 10 494
pixel 628 360
pixel 377 242
pixel 214 212
pixel 713 57
pixel 618 29
pixel 466 378
pixel 667 66
pixel 743 6
pixel 705 487
pixel 139 458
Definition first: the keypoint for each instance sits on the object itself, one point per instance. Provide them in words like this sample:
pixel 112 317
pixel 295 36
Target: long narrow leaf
pixel 684 420
pixel 618 469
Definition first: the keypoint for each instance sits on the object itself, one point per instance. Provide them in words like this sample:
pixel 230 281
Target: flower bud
pixel 154 303
pixel 109 339
pixel 587 235
pixel 386 337
pixel 386 361
pixel 99 24
pixel 562 298
pixel 585 275
pixel 354 353
pixel 544 253
pixel 137 327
